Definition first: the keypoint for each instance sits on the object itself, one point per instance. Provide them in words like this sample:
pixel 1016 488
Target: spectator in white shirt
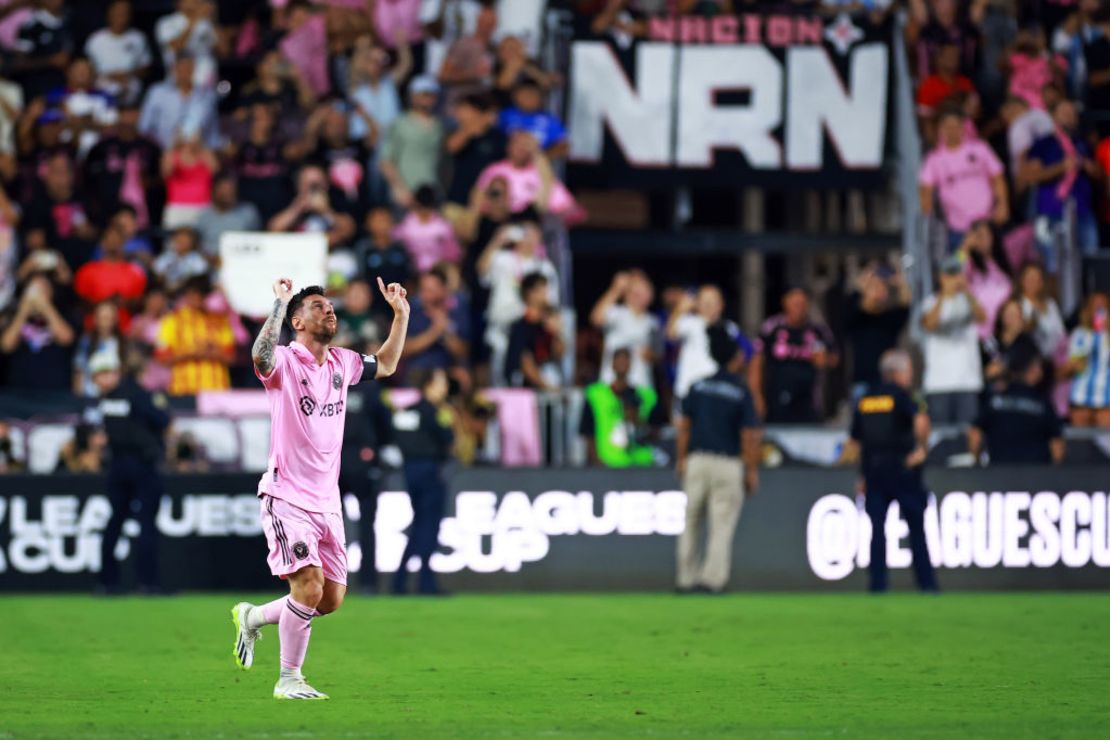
pixel 622 313
pixel 11 108
pixel 513 252
pixel 1040 311
pixel 190 30
pixel 119 54
pixel 688 324
pixel 181 260
pixel 953 376
pixel 1024 125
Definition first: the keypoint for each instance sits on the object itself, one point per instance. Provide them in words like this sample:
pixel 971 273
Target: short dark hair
pixel 480 101
pixel 528 84
pixel 950 111
pixel 193 234
pixel 197 284
pixel 298 299
pixel 722 345
pixel 426 196
pixel 531 281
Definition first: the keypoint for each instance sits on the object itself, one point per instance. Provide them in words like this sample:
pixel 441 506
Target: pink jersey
pixel 307 407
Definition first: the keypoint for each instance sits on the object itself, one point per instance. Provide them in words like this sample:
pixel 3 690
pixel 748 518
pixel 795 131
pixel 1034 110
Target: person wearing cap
pixel 410 154
pixel 1016 423
pixel 135 423
pixel 717 456
pixel 890 436
pixel 953 377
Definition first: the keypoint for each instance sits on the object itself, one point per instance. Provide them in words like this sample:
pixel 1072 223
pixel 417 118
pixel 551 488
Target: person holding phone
pixel 311 210
pixel 953 376
pixel 511 254
pixel 1089 364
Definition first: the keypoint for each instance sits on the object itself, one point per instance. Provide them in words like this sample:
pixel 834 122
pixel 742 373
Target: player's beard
pixel 326 332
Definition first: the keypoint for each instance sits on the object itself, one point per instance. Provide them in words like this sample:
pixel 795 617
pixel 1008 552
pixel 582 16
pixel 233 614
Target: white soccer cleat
pixel 295 687
pixel 245 637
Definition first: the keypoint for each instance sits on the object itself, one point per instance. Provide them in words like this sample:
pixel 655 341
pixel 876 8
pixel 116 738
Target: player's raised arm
pixel 390 352
pixel 262 353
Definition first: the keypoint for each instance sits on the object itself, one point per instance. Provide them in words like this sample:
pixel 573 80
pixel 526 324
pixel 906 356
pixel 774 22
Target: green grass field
pixel 958 665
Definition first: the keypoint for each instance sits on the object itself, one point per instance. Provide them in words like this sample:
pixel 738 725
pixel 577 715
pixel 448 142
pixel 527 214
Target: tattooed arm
pixel 262 353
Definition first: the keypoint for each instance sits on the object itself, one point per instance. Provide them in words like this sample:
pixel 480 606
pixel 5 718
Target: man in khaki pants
pixel 718 421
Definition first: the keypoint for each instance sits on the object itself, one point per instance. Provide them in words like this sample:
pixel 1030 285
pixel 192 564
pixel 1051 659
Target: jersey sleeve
pixel 281 363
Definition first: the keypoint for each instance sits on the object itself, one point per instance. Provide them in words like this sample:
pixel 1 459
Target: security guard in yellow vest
pixel 617 419
pixel 890 435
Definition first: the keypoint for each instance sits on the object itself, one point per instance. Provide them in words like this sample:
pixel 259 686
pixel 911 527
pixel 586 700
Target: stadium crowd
pixel 417 137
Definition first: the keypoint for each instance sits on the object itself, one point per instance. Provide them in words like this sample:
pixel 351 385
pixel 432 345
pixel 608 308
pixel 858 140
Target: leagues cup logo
pixel 307 405
pixel 336 380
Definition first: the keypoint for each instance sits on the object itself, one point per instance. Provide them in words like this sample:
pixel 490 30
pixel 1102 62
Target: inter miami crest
pixel 308 405
pixel 300 551
pixel 336 380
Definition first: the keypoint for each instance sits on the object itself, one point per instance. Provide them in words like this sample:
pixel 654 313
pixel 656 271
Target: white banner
pixel 251 261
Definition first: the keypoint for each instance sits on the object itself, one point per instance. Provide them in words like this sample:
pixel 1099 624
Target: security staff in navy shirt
pixel 360 472
pixel 423 432
pixel 890 433
pixel 1018 422
pixel 135 426
pixel 717 460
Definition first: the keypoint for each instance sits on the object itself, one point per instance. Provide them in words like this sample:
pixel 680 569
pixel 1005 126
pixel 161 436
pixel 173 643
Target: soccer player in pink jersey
pixel 306 384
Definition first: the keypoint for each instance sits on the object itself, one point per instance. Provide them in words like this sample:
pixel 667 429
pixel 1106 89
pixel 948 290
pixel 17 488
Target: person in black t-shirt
pixel 380 255
pixel 345 160
pixel 792 351
pixel 475 144
pixel 57 208
pixel 107 162
pixel 38 340
pixel 1097 56
pixel 263 165
pixel 535 339
pixel 277 84
pixel 44 45
pixel 873 322
pixel 1018 423
pixel 425 434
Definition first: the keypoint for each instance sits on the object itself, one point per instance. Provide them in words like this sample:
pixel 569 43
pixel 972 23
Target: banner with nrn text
pixel 790 100
pixel 593 530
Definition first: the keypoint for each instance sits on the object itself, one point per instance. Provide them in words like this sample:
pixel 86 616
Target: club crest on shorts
pixel 308 405
pixel 300 551
pixel 336 380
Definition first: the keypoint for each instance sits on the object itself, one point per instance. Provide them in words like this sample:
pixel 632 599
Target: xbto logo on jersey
pixel 309 407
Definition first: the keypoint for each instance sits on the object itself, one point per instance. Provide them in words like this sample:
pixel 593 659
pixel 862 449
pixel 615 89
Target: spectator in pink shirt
pixel 967 177
pixel 988 272
pixel 426 234
pixel 530 179
pixel 394 19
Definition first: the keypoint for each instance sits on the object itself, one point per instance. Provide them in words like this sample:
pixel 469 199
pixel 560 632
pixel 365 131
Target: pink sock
pixel 266 614
pixel 294 628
